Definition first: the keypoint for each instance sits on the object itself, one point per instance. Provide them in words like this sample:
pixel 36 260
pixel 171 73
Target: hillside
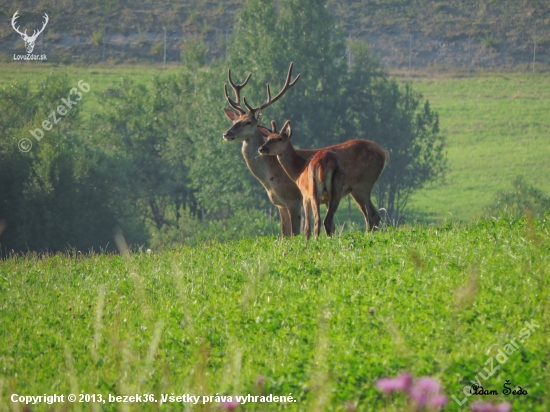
pixel 484 33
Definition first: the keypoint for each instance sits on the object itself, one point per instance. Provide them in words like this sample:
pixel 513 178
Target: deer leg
pixel 316 215
pixel 307 216
pixel 295 212
pixel 333 203
pixel 286 227
pixel 372 218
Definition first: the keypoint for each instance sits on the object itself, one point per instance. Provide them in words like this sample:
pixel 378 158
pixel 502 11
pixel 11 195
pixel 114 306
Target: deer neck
pixel 292 162
pixel 259 165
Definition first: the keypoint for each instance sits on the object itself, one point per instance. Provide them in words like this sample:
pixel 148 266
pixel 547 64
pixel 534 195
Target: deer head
pixel 29 40
pixel 245 121
pixel 277 142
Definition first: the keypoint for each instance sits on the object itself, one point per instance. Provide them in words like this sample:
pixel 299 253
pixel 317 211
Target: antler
pixel 13 21
pixel 270 101
pixel 34 34
pixel 237 89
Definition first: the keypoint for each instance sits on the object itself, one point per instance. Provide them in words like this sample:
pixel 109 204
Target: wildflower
pixel 229 405
pixel 424 391
pixel 489 407
pixel 401 383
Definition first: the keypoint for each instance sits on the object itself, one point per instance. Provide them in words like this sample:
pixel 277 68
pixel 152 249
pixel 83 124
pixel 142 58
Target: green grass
pixel 497 127
pixel 295 318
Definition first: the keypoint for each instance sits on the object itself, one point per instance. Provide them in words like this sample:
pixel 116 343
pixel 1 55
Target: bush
pixel 97 37
pixel 157 48
pixel 521 199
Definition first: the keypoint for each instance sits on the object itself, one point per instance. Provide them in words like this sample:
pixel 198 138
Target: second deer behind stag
pixel 320 179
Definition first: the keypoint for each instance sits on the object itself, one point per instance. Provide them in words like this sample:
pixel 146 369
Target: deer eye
pixel 280 139
pixel 249 122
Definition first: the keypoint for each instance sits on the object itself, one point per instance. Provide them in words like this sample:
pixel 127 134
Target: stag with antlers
pixel 29 40
pixel 282 191
pixel 363 161
pixel 320 178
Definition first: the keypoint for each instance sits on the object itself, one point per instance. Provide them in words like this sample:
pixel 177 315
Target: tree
pixel 62 193
pixel 139 126
pixel 266 40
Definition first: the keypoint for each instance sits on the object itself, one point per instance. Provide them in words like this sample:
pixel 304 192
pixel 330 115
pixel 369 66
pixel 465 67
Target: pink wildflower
pixel 400 383
pixel 229 405
pixel 483 407
pixel 424 390
pixel 503 407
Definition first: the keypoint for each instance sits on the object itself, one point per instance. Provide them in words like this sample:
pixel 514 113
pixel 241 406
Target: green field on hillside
pixel 321 321
pixel 496 126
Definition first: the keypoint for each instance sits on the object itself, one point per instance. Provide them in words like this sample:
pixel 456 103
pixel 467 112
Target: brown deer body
pixel 320 179
pixel 363 162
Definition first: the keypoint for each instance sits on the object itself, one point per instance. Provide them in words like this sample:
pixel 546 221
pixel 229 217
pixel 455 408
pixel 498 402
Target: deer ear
pixel 287 131
pixel 264 131
pixel 231 114
pixel 258 115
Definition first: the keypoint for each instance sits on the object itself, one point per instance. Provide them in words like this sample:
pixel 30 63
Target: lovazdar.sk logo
pixel 29 40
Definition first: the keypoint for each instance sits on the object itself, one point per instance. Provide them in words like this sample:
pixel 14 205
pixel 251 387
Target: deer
pixel 29 40
pixel 363 160
pixel 322 177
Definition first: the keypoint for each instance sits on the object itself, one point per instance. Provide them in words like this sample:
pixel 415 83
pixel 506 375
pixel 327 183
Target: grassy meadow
pixel 496 127
pixel 321 321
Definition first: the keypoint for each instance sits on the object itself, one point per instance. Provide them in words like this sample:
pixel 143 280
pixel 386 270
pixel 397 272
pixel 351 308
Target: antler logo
pixel 29 40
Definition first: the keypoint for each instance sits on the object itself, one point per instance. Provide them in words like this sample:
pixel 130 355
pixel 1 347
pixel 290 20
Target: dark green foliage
pixel 61 193
pixel 522 199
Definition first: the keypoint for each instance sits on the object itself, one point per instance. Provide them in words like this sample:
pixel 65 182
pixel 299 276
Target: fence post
pixel 534 52
pixel 469 56
pixel 410 52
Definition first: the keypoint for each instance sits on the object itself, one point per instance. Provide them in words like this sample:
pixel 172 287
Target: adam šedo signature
pixel 480 390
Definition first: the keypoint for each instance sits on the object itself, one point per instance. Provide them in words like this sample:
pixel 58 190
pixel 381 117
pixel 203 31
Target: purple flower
pixel 438 401
pixel 400 383
pixel 483 407
pixel 503 407
pixel 489 407
pixel 424 390
pixel 229 405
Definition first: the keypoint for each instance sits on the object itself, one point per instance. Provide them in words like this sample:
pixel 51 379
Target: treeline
pixel 152 162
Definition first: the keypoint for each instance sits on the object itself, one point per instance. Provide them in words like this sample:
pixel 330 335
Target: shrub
pixel 522 198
